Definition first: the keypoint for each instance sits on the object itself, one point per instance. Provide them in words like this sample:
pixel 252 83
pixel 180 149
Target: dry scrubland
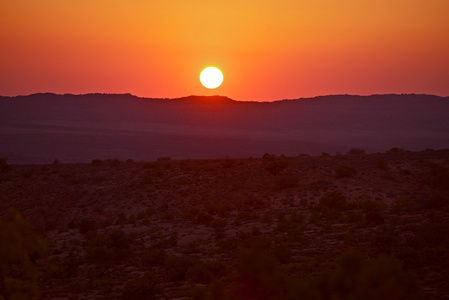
pixel 357 226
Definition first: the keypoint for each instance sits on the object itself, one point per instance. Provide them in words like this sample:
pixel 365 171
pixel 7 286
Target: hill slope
pixel 78 128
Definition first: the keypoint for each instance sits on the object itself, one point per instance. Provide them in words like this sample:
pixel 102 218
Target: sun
pixel 211 77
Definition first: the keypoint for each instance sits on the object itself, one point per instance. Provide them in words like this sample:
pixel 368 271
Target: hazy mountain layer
pixel 78 128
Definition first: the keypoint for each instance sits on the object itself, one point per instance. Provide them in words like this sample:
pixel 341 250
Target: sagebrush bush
pixel 333 200
pixel 97 162
pixel 111 247
pixel 142 288
pixel 86 225
pixel 356 151
pixel 275 167
pixel 4 167
pixel 345 172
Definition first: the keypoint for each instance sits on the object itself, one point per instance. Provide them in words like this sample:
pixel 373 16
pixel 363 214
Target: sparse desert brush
pixel 147 179
pixel 145 214
pixel 344 171
pixel 436 201
pixel 382 164
pixel 219 224
pixel 203 218
pixel 268 157
pixel 97 162
pixel 396 150
pixel 333 200
pixel 356 151
pixel 86 225
pixel 373 212
pixel 164 158
pixel 275 167
pixel 359 278
pixel 228 244
pixel 20 247
pixel 114 162
pixel 153 165
pixel 325 154
pixel 153 257
pixel 437 177
pixel 176 267
pixel 259 274
pixel 121 219
pixel 430 235
pixel 4 167
pixel 141 288
pixel 167 242
pixel 58 268
pixel 403 204
pixel 285 182
pixel 108 247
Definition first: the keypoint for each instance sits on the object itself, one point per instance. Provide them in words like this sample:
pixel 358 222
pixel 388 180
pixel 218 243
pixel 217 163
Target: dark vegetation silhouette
pixel 20 247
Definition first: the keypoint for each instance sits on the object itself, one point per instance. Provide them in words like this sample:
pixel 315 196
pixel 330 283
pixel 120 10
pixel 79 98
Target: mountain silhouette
pixel 39 128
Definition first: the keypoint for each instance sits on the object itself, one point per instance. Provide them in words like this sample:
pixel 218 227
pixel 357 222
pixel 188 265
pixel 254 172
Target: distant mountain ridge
pixel 39 128
pixel 219 97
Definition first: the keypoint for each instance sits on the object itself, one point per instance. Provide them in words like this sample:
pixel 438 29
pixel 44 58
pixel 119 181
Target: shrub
pixel 268 157
pixel 164 158
pixel 146 179
pixel 20 247
pixel 282 253
pixel 345 172
pixel 97 162
pixel 285 182
pixel 176 267
pixel 357 278
pixel 115 163
pixel 436 201
pixel 382 164
pixel 275 167
pixel 4 167
pixel 259 275
pixel 203 218
pixel 438 177
pixel 115 246
pixel 154 257
pixel 333 200
pixel 153 165
pixel 356 151
pixel 87 225
pixel 141 288
pixel 373 212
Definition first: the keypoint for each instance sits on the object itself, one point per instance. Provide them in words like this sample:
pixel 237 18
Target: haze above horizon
pixel 267 50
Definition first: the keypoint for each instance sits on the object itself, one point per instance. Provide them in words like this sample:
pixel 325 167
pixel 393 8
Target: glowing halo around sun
pixel 211 77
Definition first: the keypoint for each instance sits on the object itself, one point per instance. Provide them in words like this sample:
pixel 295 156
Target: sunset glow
pixel 270 49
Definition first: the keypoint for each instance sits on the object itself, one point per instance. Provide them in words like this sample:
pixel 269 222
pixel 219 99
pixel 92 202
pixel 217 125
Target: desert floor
pixel 234 228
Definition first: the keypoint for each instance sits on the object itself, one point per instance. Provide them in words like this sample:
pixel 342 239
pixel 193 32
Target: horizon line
pixel 223 96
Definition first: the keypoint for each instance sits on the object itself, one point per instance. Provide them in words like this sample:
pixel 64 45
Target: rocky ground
pixel 200 228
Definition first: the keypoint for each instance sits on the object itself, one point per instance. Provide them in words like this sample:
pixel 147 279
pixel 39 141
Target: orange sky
pixel 267 50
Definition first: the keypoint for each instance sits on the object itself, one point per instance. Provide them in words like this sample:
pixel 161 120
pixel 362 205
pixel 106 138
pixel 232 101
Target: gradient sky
pixel 267 50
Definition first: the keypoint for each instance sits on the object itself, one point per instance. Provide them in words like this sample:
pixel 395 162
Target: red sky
pixel 267 50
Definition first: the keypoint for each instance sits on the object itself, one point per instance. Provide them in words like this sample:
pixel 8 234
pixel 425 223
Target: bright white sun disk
pixel 211 77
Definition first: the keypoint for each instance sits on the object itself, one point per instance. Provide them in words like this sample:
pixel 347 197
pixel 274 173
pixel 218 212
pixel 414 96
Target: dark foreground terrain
pixel 354 226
